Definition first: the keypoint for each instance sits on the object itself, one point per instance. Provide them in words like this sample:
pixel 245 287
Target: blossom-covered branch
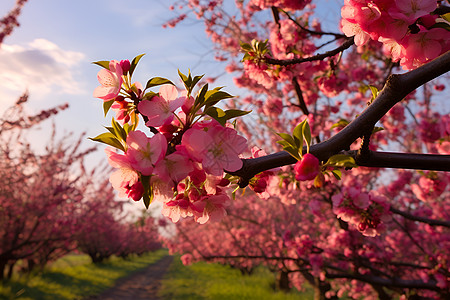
pixel 396 88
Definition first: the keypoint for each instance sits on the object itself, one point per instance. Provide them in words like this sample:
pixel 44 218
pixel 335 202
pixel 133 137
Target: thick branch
pixel 395 89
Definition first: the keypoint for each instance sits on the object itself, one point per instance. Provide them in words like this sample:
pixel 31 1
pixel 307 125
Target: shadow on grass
pixel 76 281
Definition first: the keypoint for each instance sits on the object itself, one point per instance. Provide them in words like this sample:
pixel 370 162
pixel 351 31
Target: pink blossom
pixel 353 29
pixel 159 109
pixel 217 149
pixel 212 207
pixel 307 168
pixel 411 10
pixel 143 152
pixel 174 167
pixel 424 46
pixel 125 179
pixel 110 80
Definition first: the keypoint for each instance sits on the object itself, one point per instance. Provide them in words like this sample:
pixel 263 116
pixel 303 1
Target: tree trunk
pixel 283 281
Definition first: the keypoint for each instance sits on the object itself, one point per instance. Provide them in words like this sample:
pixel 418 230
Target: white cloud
pixel 41 67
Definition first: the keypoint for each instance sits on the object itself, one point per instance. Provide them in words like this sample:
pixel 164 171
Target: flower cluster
pixel 366 211
pixel 409 32
pixel 182 161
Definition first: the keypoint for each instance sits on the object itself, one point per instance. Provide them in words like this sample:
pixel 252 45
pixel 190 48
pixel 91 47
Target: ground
pixel 142 285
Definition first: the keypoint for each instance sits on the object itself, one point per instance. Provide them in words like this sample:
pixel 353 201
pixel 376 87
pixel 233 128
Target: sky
pixel 50 54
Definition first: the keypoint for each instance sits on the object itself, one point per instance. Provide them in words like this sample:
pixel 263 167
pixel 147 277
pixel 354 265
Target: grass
pixel 214 281
pixel 74 277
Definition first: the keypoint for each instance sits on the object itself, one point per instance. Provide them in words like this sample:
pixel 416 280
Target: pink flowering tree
pixel 348 115
pixel 41 192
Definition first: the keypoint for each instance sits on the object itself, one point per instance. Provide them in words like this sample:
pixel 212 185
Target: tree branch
pixel 428 221
pixel 396 88
pixel 285 62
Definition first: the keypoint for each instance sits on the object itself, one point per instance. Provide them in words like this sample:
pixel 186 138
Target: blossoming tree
pixel 338 210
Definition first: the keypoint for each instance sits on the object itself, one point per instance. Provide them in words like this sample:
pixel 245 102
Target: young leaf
pixel 340 123
pixel 155 81
pixel 292 151
pixel 107 105
pixel 298 135
pixel 341 160
pixel 307 134
pixel 337 174
pixel 287 138
pixel 109 139
pixel 118 130
pixel 196 80
pixel 102 63
pixel 214 96
pixel 134 63
pixel 201 96
pixel 217 114
pixel 148 190
pixel 234 113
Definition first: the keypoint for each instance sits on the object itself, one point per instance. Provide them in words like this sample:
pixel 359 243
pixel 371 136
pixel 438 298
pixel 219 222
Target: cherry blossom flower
pixel 175 167
pixel 110 80
pixel 307 168
pixel 159 109
pixel 125 179
pixel 411 10
pixel 213 208
pixel 143 152
pixel 217 149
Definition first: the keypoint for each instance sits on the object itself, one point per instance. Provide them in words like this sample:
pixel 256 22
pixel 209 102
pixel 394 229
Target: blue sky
pixel 50 54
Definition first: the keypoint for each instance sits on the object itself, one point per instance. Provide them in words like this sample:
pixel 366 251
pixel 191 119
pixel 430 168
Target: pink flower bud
pixel 125 64
pixel 307 168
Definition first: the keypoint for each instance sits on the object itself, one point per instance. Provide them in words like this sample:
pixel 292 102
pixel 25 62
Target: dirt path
pixel 142 285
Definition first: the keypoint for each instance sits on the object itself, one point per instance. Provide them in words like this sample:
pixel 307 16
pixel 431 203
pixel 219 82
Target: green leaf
pixel 201 96
pixel 341 160
pixel 149 95
pixel 196 80
pixel 376 129
pixel 234 113
pixel 109 139
pixel 292 151
pixel 307 134
pixel 119 131
pixel 217 114
pixel 110 129
pixel 212 97
pixel 148 190
pixel 246 47
pixel 134 63
pixel 107 105
pixel 155 81
pixel 374 91
pixel 337 174
pixel 182 76
pixel 288 138
pixel 446 17
pixel 102 63
pixel 340 123
pixel 298 135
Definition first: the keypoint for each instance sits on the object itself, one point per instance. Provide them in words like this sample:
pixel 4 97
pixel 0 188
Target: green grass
pixel 74 277
pixel 214 281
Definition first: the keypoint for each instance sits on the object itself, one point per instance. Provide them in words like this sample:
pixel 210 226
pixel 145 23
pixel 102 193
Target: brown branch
pixel 312 32
pixel 395 89
pixel 428 221
pixel 285 62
